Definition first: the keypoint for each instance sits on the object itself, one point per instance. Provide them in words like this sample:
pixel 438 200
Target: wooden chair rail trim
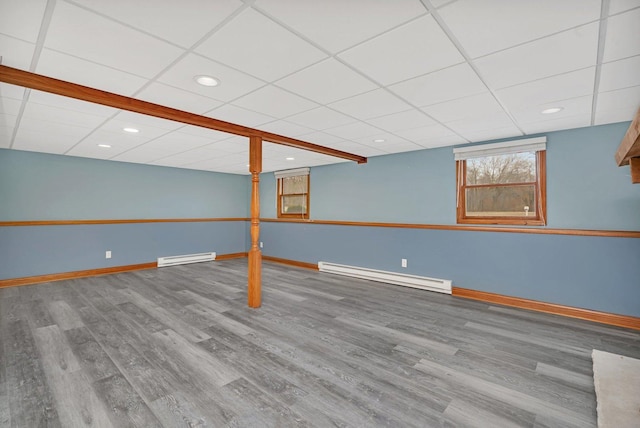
pixel 542 231
pixel 550 308
pixel 39 82
pixel 116 221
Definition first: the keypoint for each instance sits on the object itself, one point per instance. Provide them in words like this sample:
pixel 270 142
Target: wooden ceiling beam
pixel 39 82
pixel 630 144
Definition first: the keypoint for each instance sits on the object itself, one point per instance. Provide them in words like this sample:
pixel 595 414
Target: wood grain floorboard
pixel 178 346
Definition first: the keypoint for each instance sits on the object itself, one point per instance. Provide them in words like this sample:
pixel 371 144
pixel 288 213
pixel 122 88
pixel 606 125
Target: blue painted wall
pixel 35 186
pixel 586 190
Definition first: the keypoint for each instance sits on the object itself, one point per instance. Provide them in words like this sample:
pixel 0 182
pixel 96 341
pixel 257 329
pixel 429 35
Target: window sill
pixel 502 222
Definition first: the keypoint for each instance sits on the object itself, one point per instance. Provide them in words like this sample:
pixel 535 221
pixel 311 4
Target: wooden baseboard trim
pixel 231 256
pixel 14 282
pixel 550 308
pixel 295 263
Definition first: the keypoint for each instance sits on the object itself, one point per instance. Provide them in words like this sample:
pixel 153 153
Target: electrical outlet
pixel 107 255
pixel 261 244
pixel 404 262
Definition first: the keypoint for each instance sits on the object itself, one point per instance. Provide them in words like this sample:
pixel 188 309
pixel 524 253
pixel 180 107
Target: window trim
pixel 541 190
pixel 280 195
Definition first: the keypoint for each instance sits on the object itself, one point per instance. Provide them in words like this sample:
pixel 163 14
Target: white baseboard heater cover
pixel 187 258
pixel 413 281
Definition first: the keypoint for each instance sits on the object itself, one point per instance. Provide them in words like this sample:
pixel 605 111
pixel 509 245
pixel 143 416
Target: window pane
pixel 516 201
pixel 294 204
pixel 296 184
pixel 500 169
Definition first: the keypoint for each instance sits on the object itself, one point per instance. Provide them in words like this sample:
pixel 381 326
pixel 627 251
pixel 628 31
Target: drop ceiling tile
pixel 105 42
pixel 70 105
pixel 7 121
pixel 180 99
pixel 560 87
pixel 424 133
pixel 441 141
pixel 617 6
pixel 145 124
pixel 440 3
pixel 350 22
pixel 232 145
pixel 359 149
pixel 569 122
pixel 16 53
pixel 321 138
pixel 372 104
pixel 493 25
pixel 89 148
pixel 6 134
pixel 33 121
pixel 175 142
pixel 541 58
pixel 11 91
pixel 240 116
pixel 75 70
pixel 400 147
pixel 321 118
pixel 404 120
pixel 22 19
pixel 617 106
pixel 353 131
pixel 448 84
pixel 571 108
pixel 233 84
pixel 139 155
pixel 10 106
pixel 275 102
pixel 420 47
pixel 260 47
pixel 286 128
pixel 47 137
pixel 491 134
pixel 182 23
pixel 623 35
pixel 463 107
pixel 205 133
pixel 113 130
pixel 41 112
pixel 482 121
pixel 327 82
pixel 620 74
pixel 381 140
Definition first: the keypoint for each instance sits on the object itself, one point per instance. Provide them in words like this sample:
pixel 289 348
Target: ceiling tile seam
pixel 97 128
pixel 142 144
pixel 602 34
pixel 42 34
pixel 190 50
pixel 543 78
pixel 198 147
pixel 619 89
pixel 624 11
pixel 469 60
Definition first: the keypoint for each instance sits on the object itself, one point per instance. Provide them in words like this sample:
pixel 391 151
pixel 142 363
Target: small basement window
pixel 502 183
pixel 293 193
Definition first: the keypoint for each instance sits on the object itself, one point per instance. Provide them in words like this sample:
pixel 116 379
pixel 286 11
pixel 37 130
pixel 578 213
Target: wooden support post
pixel 255 256
pixel 634 165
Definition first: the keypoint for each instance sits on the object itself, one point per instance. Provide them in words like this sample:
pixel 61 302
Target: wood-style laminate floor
pixel 178 347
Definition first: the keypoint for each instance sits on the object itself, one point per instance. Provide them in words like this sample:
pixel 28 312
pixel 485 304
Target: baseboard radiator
pixel 185 259
pixel 413 281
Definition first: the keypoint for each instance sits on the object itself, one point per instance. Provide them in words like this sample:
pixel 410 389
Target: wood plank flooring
pixel 178 347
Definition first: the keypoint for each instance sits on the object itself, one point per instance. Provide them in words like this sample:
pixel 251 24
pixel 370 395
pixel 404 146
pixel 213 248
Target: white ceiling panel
pixel 483 121
pixel 454 82
pixel 16 53
pixel 463 107
pixel 617 106
pixel 336 24
pixel 491 134
pixel 617 6
pixel 140 155
pixel 105 42
pixel 430 49
pixel 75 70
pixel 623 36
pixel 70 104
pixel 22 19
pixel 326 82
pixel 321 118
pixel 379 102
pixel 10 106
pixel 45 113
pixel 231 145
pixel 321 138
pixel 145 124
pixel 620 74
pixel 570 108
pixel 11 91
pixel 6 133
pixel 560 87
pixel 492 25
pixel 260 47
pixel 275 102
pixel 284 127
pixel 184 22
pixel 425 133
pixel 568 122
pixel 210 134
pixel 233 83
pixel 541 58
pixel 404 120
pixel 47 137
pixel 159 93
pixel 353 131
pixel 241 116
pixel 7 120
pixel 176 142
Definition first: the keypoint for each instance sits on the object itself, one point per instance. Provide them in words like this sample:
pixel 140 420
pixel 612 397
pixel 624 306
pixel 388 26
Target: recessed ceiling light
pixel 379 140
pixel 206 80
pixel 104 146
pixel 131 130
pixel 552 110
pixel 291 158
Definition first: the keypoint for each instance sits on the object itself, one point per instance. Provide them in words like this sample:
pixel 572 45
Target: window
pixel 293 193
pixel 502 183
